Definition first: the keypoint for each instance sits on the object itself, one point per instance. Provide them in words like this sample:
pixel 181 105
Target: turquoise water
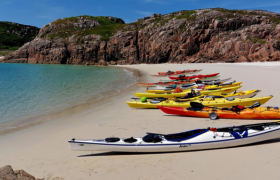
pixel 30 90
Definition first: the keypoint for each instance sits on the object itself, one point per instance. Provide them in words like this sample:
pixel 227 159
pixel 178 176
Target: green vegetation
pixel 5 52
pixel 232 11
pixel 187 15
pixel 106 28
pixel 10 35
pixel 184 15
pixel 101 19
pixel 276 20
pixel 256 40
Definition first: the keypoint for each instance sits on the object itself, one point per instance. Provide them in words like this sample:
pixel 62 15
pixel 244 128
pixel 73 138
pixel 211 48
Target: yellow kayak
pixel 220 102
pixel 206 87
pixel 181 94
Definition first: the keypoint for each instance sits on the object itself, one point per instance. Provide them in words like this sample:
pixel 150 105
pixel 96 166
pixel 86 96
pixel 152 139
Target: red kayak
pixel 175 72
pixel 194 76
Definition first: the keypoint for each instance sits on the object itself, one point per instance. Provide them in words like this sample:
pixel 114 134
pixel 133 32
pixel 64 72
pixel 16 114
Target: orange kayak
pixel 255 113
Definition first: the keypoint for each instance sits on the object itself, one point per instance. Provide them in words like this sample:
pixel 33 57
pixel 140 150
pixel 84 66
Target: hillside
pixel 196 36
pixel 14 35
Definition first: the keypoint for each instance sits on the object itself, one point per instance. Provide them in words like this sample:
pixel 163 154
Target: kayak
pixel 254 113
pixel 170 89
pixel 194 76
pixel 211 101
pixel 181 94
pixel 197 139
pixel 197 88
pixel 177 72
pixel 185 86
pixel 153 103
pixel 172 82
pixel 147 84
pixel 209 79
pixel 217 81
pixel 191 72
pixel 168 83
pixel 169 73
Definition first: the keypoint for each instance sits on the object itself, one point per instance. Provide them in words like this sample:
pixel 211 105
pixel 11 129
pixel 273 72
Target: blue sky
pixel 41 12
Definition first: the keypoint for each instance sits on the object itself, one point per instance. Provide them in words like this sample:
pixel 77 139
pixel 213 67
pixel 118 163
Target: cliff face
pixel 14 34
pixel 209 35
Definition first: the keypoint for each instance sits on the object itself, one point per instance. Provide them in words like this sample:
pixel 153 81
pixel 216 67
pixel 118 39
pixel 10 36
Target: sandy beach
pixel 42 150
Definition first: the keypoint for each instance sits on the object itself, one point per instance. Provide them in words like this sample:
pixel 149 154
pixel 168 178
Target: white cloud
pixel 144 13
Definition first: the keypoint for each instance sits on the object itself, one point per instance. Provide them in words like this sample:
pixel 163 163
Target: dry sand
pixel 43 151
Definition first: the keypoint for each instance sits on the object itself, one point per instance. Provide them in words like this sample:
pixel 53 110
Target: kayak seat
pixel 152 138
pixel 130 140
pixel 230 99
pixel 112 139
pixel 226 109
pixel 194 109
pixel 214 97
pixel 188 95
pixel 255 105
pixel 154 102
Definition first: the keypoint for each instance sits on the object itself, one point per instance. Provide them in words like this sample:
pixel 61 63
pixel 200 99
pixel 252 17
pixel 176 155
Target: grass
pixel 229 13
pixel 101 19
pixel 106 28
pixel 187 15
pixel 184 15
pixel 5 52
pixel 256 40
pixel 276 20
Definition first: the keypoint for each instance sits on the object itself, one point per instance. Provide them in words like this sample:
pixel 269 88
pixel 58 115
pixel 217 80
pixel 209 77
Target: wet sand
pixel 43 151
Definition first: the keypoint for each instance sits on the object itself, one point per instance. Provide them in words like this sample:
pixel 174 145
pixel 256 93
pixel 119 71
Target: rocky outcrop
pixel 200 36
pixel 7 173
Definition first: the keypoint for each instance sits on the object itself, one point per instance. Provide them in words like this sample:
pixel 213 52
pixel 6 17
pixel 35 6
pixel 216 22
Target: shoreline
pixel 43 149
pixel 22 124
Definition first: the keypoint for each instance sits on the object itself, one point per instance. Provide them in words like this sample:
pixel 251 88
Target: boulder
pixel 263 52
pixel 242 59
pixel 7 173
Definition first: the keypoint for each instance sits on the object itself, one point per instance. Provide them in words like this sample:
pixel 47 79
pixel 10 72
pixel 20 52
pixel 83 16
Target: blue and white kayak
pixel 197 139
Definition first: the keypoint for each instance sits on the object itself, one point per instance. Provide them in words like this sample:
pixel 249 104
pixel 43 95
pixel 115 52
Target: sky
pixel 41 12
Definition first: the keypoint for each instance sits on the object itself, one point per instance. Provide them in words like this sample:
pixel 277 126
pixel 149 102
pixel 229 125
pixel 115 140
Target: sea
pixel 31 90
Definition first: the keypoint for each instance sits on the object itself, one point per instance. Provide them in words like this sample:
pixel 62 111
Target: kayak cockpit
pixel 152 138
pixel 185 135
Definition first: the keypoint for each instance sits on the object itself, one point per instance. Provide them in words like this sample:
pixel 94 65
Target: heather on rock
pixel 195 36
pixel 14 35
